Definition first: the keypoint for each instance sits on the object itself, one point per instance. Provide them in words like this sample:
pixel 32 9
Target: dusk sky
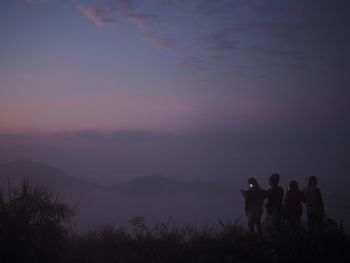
pixel 172 65
pixel 266 81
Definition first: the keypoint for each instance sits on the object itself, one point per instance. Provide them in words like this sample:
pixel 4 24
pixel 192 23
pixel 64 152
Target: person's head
pixel 294 186
pixel 253 183
pixel 312 181
pixel 274 179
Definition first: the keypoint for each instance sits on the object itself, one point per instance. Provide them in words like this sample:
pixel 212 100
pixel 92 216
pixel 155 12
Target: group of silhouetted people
pixel 280 206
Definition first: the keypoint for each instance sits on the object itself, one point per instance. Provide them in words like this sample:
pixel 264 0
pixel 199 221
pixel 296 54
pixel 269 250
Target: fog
pixel 227 159
pixel 116 157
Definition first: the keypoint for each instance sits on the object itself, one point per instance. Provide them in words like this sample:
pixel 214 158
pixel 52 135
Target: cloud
pixel 96 15
pixel 170 3
pixel 201 7
pixel 194 63
pixel 125 11
pixel 218 41
pixel 158 41
pixel 300 20
pixel 126 5
pixel 34 2
pixel 145 21
pixel 210 7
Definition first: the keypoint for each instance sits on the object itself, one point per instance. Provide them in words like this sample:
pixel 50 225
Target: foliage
pixel 32 229
pixel 31 225
pixel 224 242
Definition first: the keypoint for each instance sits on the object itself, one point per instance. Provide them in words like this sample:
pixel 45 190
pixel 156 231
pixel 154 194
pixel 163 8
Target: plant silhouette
pixel 31 224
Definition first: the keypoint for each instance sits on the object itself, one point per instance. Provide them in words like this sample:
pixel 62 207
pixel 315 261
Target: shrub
pixel 32 225
pixel 226 242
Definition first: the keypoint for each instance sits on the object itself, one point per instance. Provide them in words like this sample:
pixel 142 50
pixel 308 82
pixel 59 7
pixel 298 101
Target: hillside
pixel 41 174
pixel 158 184
pixel 155 197
pixel 90 201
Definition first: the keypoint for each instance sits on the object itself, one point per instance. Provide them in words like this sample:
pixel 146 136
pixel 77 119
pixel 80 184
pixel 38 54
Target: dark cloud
pixel 194 63
pixel 145 21
pixel 127 10
pixel 298 23
pixel 96 15
pixel 219 41
pixel 201 7
pixel 159 41
pixel 34 2
pixel 126 5
pixel 303 20
pixel 170 3
pixel 313 28
pixel 290 58
pixel 209 7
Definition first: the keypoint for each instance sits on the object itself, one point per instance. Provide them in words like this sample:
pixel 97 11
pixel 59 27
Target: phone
pixel 251 186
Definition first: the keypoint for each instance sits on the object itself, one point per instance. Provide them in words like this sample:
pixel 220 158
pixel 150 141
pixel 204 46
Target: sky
pixel 269 76
pixel 172 65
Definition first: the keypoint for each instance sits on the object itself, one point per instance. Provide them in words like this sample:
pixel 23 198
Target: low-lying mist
pixel 202 173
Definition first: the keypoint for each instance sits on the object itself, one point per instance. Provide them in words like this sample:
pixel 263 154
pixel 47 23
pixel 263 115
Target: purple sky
pixel 172 65
pixel 225 89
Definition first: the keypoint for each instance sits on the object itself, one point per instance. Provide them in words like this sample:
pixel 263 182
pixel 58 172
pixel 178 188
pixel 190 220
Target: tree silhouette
pixel 32 225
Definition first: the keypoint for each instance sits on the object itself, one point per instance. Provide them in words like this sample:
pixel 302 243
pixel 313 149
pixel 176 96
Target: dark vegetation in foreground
pixel 34 228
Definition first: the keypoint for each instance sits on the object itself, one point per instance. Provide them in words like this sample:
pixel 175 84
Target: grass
pixel 33 230
pixel 224 242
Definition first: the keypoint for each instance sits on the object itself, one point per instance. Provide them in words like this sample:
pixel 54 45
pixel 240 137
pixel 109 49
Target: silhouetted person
pixel 274 202
pixel 254 198
pixel 314 206
pixel 294 208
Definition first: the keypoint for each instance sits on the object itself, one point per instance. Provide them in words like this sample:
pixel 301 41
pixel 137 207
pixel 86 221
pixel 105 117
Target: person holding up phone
pixel 254 199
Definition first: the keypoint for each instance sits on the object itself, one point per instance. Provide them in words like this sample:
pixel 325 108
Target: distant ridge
pixel 159 184
pixel 40 174
pixel 156 197
pixel 59 181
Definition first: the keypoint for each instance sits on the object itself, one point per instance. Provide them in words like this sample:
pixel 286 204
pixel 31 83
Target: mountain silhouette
pixel 157 197
pixel 158 184
pixel 93 203
pixel 55 179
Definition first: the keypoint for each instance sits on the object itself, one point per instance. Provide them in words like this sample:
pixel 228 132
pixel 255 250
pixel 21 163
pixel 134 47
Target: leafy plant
pixel 32 224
